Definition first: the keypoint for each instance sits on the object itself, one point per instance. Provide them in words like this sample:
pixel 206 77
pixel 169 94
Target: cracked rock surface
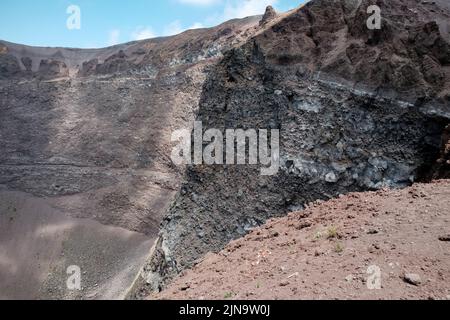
pixel 357 110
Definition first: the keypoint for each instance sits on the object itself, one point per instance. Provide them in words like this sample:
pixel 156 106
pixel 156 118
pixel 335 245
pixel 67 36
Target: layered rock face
pixel 88 132
pixel 357 109
pixel 268 16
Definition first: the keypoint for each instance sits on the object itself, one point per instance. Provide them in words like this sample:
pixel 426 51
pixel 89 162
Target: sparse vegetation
pixel 339 247
pixel 228 295
pixel 332 232
pixel 317 236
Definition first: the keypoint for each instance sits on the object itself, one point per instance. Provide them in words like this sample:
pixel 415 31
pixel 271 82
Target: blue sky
pixel 108 22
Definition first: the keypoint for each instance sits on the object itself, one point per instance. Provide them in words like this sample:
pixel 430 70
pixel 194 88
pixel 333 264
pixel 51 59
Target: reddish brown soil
pixel 325 252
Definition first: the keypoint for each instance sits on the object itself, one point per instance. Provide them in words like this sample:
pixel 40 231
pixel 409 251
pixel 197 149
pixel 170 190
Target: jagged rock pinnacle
pixel 269 15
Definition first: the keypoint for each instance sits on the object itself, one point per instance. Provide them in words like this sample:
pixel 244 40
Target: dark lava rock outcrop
pixel 268 16
pixel 49 69
pixel 357 110
pixel 9 66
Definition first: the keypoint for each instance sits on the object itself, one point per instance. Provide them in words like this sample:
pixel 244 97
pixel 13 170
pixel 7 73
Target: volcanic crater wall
pixel 85 134
pixel 347 123
pixel 357 109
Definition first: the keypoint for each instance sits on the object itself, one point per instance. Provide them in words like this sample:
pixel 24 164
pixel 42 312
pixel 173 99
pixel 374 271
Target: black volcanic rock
pixel 88 68
pixel 49 68
pixel 357 110
pixel 333 39
pixel 28 63
pixel 9 66
pixel 87 133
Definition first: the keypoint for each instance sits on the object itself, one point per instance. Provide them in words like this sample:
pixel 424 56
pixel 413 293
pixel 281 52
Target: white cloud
pixel 141 33
pixel 199 2
pixel 232 9
pixel 197 25
pixel 114 37
pixel 244 8
pixel 176 27
pixel 173 28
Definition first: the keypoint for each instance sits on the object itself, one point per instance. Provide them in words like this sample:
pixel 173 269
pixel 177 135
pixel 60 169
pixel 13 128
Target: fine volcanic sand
pixel 38 243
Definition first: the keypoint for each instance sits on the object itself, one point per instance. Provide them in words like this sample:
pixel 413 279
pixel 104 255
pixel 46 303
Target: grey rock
pixel 412 278
pixel 331 177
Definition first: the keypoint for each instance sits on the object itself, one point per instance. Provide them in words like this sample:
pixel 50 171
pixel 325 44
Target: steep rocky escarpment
pixel 357 110
pixel 94 125
pixel 147 58
pixel 9 64
pixel 408 57
pixel 86 175
pixel 85 155
pixel 268 16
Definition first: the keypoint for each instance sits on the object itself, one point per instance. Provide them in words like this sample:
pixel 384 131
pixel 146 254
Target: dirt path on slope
pixel 341 249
